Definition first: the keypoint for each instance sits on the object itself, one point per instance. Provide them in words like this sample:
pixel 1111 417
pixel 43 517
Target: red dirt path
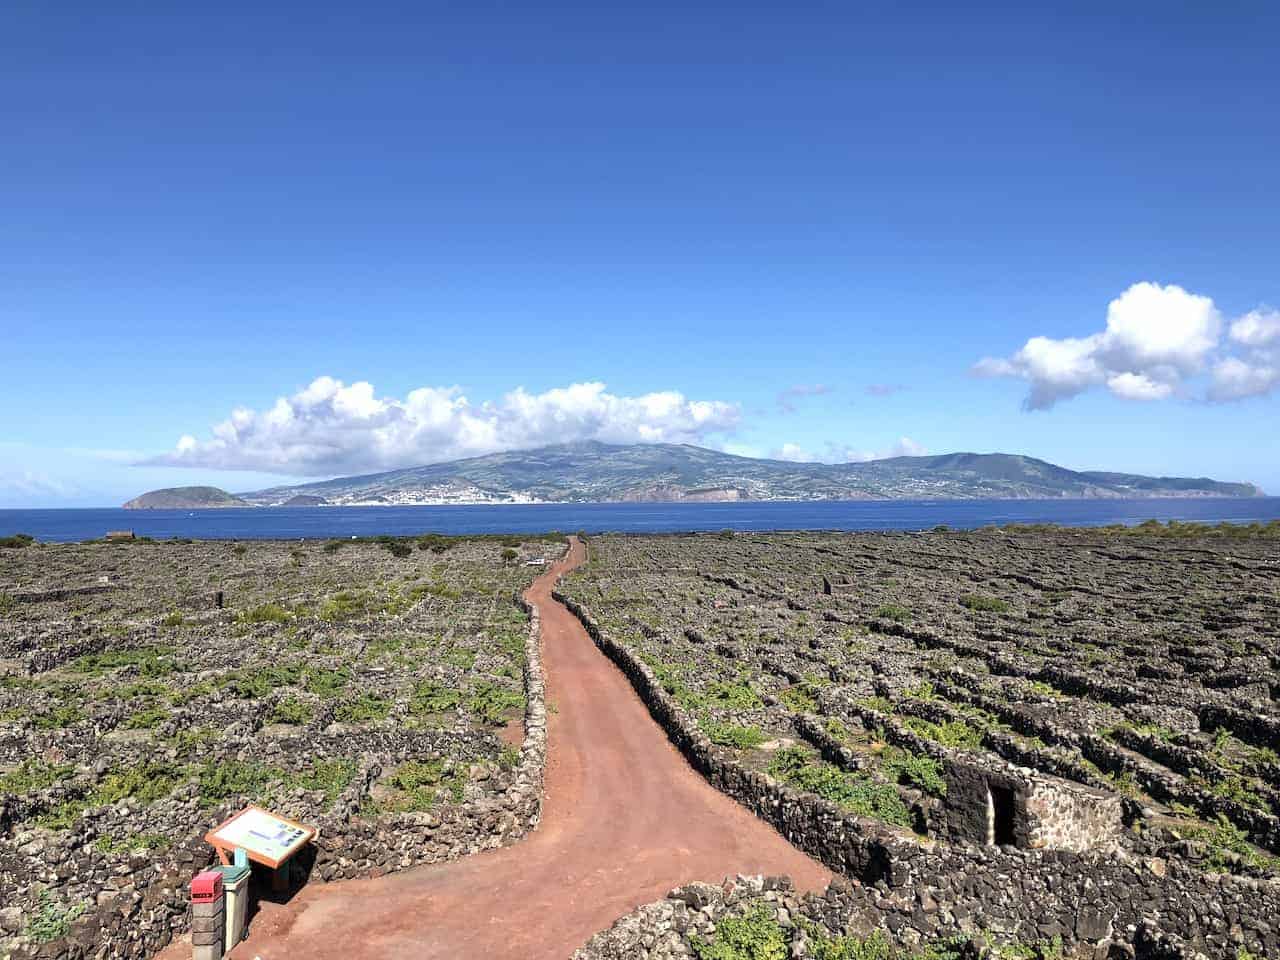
pixel 624 820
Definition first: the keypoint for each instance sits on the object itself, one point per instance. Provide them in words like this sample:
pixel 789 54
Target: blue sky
pixel 788 229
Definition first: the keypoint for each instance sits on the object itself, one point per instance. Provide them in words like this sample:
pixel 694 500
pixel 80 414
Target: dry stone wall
pixel 351 847
pixel 916 889
pixel 132 724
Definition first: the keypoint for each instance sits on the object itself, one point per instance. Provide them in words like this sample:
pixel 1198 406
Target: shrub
pixel 417 783
pixel 735 695
pixel 17 541
pixel 731 734
pixel 150 661
pixel 913 769
pixel 331 776
pixel 921 691
pixel 461 657
pixel 146 719
pixel 437 543
pixel 138 842
pixel 52 919
pixel 366 708
pixel 432 697
pixel 326 684
pixel 490 702
pixel 291 710
pixel 953 733
pixel 58 717
pixel 146 783
pixel 173 619
pixel 799 699
pixel 348 604
pixel 333 546
pixel 876 946
pixel 234 778
pixel 856 792
pixel 509 554
pixel 1225 841
pixel 755 935
pixel 879 704
pixel 253 683
pixel 983 604
pixel 265 613
pixel 509 757
pixel 32 775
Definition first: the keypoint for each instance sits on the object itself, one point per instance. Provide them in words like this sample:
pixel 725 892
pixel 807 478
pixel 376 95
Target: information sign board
pixel 266 837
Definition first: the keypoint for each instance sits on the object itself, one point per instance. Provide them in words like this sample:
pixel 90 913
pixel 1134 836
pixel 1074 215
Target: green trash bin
pixel 235 886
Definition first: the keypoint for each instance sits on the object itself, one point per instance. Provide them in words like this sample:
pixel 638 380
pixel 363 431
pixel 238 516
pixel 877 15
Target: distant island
pixel 185 498
pixel 660 472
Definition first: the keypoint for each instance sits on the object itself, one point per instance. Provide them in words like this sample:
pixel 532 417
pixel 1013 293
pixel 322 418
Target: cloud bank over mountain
pixel 332 428
pixel 1159 341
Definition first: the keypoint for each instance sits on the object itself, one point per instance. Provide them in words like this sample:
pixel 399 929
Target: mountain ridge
pixel 591 471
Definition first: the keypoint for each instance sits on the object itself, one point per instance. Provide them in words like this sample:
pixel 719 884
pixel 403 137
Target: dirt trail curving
pixel 625 819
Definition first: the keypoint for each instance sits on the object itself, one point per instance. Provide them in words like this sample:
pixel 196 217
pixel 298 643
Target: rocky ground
pixel 147 690
pixel 1139 670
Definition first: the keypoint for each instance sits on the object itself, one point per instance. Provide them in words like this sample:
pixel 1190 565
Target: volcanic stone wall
pixel 143 903
pixel 350 847
pixel 918 889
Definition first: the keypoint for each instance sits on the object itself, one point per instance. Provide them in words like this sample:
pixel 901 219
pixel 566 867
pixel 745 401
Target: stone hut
pixel 840 583
pixel 1012 806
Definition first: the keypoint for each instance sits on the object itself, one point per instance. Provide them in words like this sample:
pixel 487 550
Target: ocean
pixel 263 523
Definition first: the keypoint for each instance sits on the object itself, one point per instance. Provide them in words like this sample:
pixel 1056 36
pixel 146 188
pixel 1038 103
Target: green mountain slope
pixel 587 472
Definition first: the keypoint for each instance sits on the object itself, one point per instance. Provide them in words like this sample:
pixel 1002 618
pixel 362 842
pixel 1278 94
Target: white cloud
pixel 1138 386
pixel 1056 369
pixel 1150 327
pixel 1157 340
pixel 1257 328
pixel 842 453
pixel 30 483
pixel 1236 379
pixel 793 451
pixel 902 447
pixel 334 428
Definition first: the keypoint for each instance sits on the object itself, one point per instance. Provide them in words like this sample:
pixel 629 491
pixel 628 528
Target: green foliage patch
pixel 914 770
pixel 731 734
pixel 979 603
pixel 855 792
pixel 756 935
pixel 953 733
pixel 491 703
pixel 32 775
pixel 52 918
pixel 431 696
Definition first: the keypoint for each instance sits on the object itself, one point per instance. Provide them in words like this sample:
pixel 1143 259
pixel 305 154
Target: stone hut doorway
pixel 1001 816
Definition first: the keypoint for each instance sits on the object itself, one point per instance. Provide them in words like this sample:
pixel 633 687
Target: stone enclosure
pixel 1038 737
pixel 389 693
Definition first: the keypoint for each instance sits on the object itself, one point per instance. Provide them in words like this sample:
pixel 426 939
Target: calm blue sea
pixel 292 522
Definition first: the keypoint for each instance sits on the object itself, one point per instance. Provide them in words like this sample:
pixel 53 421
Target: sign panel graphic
pixel 264 836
